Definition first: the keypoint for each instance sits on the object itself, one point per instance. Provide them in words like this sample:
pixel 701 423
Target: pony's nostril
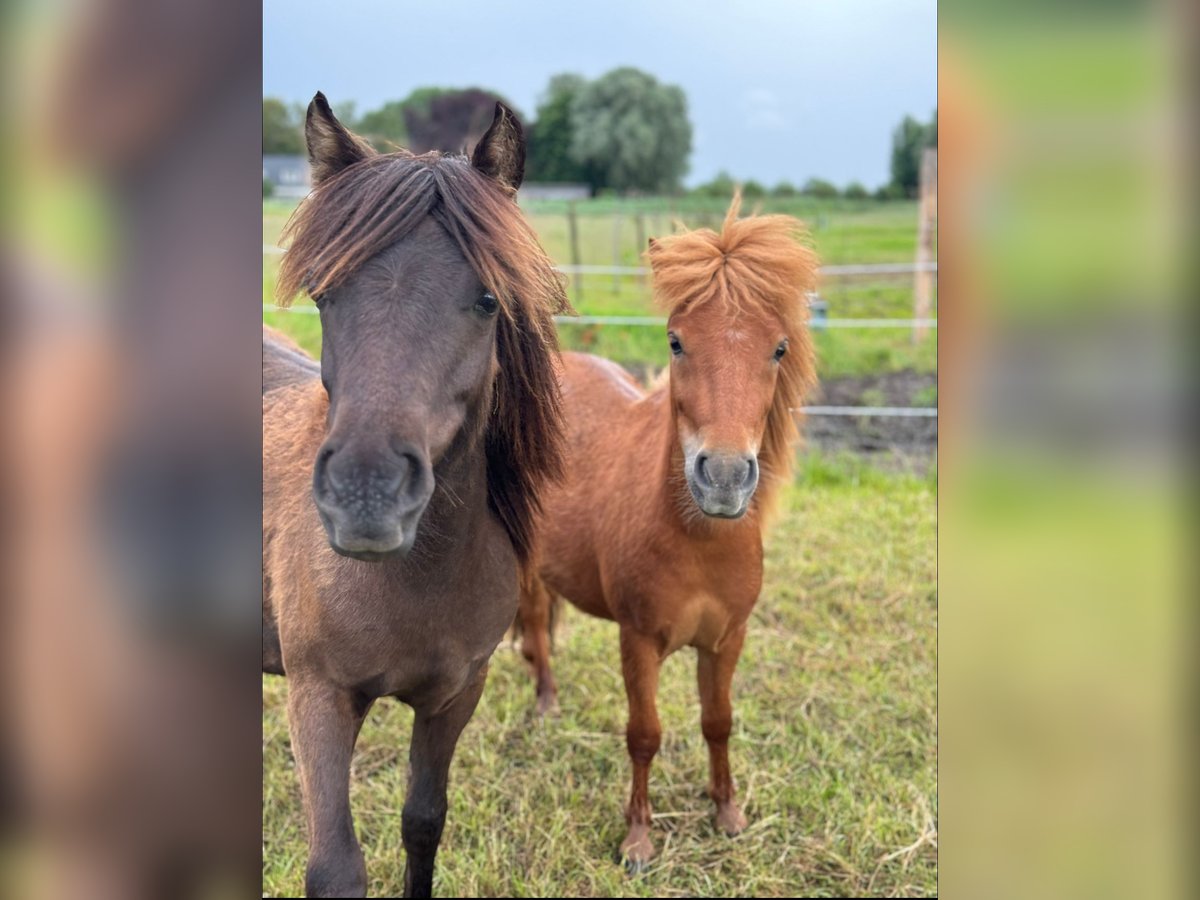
pixel 394 483
pixel 702 469
pixel 751 472
pixel 324 472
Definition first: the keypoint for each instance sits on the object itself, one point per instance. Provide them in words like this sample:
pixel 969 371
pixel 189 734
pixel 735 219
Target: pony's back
pixel 284 363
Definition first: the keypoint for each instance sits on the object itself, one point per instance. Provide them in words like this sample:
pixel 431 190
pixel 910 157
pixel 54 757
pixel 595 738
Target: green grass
pixel 843 232
pixel 834 745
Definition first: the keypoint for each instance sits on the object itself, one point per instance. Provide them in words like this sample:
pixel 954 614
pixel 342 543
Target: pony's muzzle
pixel 723 483
pixel 370 499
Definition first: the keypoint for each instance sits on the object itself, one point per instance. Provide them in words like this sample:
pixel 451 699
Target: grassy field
pixel 842 232
pixel 834 745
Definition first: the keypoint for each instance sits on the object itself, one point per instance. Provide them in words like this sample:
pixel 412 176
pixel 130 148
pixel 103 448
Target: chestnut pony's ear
pixel 652 250
pixel 500 153
pixel 331 147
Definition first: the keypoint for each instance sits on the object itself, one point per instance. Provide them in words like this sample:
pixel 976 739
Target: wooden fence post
pixel 616 251
pixel 639 224
pixel 923 278
pixel 574 233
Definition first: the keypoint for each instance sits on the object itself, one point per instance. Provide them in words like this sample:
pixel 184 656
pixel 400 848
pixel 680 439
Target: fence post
pixel 923 279
pixel 616 250
pixel 574 232
pixel 639 225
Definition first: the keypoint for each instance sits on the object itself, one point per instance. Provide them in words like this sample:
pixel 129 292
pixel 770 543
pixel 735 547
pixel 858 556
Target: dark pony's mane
pixel 371 205
pixel 756 264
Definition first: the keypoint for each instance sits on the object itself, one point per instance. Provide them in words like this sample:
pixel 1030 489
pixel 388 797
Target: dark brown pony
pixel 659 522
pixel 400 477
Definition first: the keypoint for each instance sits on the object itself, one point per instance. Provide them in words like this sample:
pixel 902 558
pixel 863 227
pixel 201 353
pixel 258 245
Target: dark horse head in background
pixel 418 298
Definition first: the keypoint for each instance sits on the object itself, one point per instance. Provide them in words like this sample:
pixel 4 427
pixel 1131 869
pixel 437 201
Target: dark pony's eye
pixel 781 349
pixel 487 305
pixel 676 347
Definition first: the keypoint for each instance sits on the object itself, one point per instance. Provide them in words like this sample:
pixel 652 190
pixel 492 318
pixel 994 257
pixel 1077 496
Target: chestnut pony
pixel 401 475
pixel 659 521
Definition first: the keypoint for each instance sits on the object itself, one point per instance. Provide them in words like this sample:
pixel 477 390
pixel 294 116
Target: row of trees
pixel 909 141
pixel 623 132
pixel 722 185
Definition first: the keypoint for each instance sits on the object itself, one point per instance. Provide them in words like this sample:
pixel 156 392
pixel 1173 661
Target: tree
pixel 721 186
pixel 855 191
pixel 550 136
pixel 909 140
pixel 282 132
pixel 784 189
pixel 384 127
pixel 753 190
pixel 633 131
pixel 819 188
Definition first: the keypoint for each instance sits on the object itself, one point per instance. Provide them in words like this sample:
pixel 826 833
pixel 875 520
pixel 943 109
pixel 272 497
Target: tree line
pixel 624 132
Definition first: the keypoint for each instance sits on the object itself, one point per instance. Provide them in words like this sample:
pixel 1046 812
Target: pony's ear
pixel 652 249
pixel 331 147
pixel 500 153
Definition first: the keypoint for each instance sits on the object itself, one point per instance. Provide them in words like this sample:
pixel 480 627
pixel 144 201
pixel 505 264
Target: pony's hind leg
pixel 714 674
pixel 324 722
pixel 433 741
pixel 535 613
pixel 640 664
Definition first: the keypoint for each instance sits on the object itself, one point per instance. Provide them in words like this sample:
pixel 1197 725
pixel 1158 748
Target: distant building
pixel 289 174
pixel 553 191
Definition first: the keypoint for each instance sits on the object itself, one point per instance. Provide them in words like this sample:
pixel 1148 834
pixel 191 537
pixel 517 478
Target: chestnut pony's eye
pixel 676 347
pixel 487 305
pixel 781 350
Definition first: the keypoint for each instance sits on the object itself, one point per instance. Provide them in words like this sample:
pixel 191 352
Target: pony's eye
pixel 781 350
pixel 676 347
pixel 487 305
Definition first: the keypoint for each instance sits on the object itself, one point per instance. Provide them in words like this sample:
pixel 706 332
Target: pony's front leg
pixel 324 722
pixel 714 673
pixel 434 738
pixel 640 665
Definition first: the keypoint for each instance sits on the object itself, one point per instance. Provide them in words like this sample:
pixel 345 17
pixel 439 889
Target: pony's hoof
pixel 634 867
pixel 547 705
pixel 636 852
pixel 731 820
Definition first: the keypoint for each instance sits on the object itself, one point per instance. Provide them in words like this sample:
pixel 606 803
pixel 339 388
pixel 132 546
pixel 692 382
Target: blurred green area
pixel 1065 624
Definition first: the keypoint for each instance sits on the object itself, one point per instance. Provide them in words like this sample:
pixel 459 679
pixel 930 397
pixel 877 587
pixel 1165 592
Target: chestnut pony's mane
pixel 371 205
pixel 760 264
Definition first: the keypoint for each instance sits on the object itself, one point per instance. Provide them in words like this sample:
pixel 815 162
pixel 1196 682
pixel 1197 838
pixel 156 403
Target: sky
pixel 776 90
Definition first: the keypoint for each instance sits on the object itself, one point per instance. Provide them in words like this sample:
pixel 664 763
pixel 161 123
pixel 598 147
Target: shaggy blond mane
pixel 755 265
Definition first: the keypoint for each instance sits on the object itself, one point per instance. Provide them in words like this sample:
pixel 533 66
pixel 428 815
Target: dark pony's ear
pixel 500 153
pixel 331 147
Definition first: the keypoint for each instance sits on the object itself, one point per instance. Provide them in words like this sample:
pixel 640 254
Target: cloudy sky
pixel 777 89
